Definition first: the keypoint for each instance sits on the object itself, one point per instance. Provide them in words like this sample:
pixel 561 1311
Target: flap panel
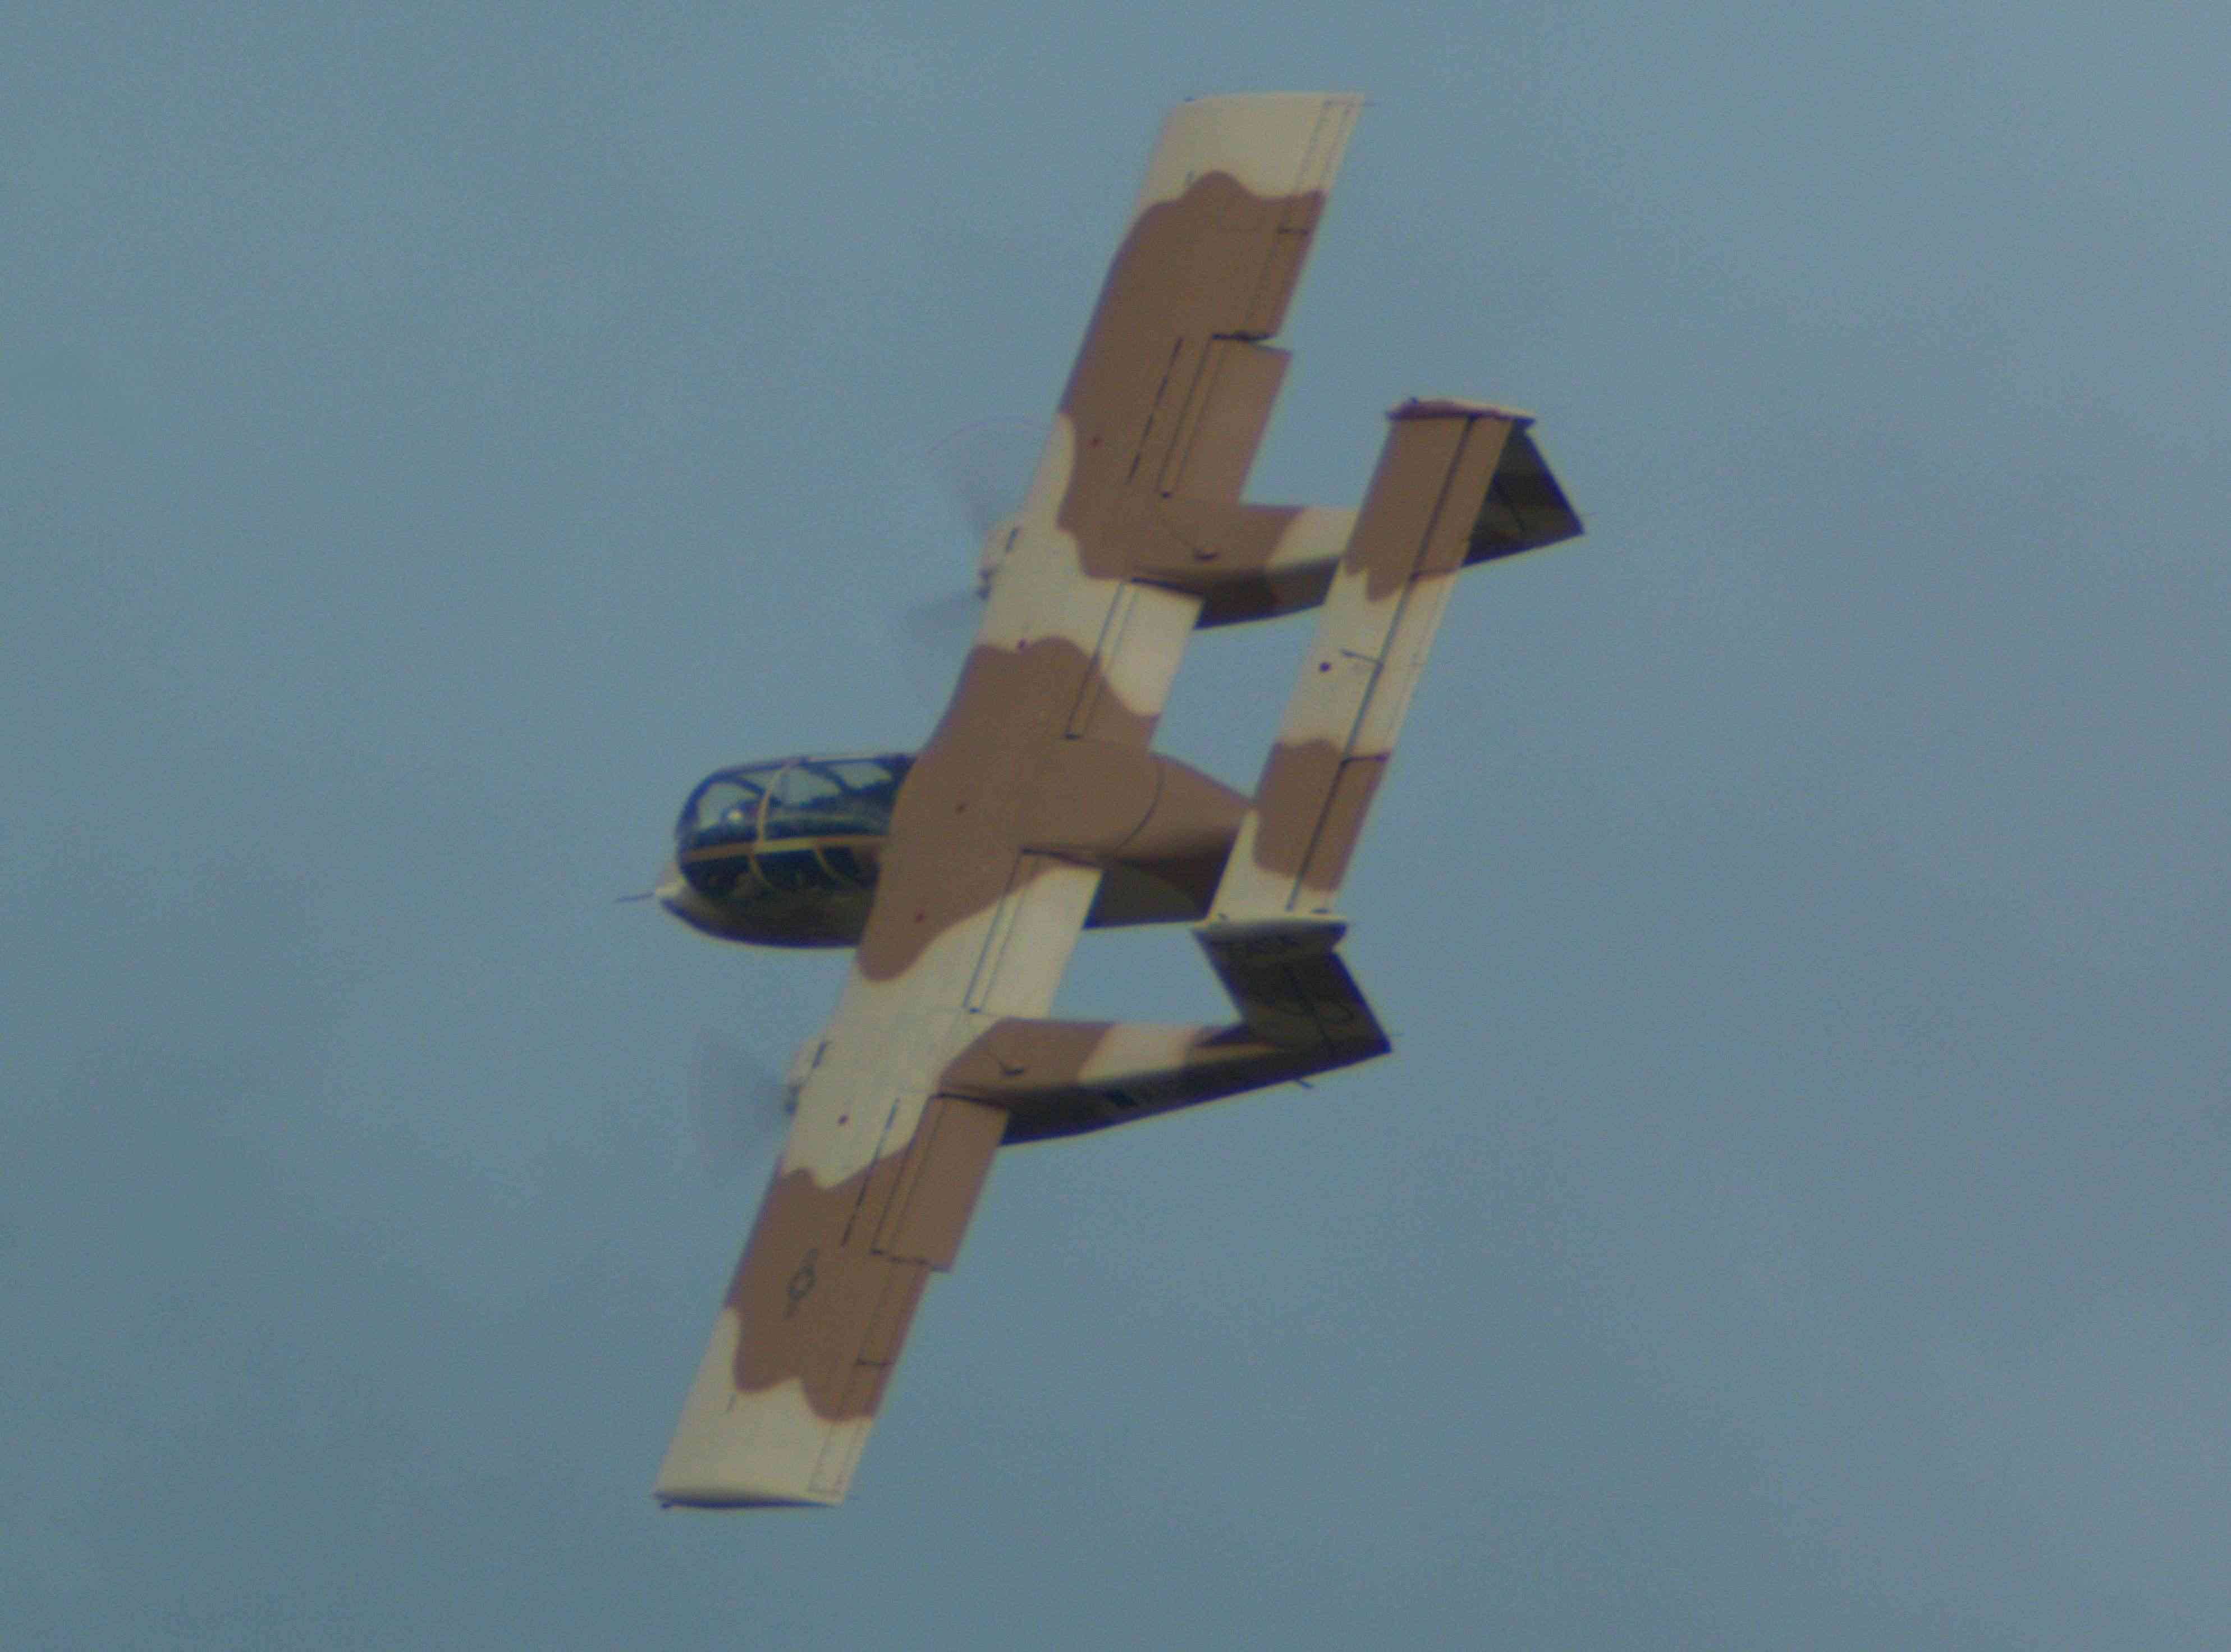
pixel 944 1173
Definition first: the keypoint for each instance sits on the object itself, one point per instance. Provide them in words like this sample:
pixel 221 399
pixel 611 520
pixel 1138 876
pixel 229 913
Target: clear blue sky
pixel 1794 1215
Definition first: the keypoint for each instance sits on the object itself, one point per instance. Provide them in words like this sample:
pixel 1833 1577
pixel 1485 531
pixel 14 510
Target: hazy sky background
pixel 1794 1215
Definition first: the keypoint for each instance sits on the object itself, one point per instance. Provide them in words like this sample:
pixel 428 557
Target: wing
pixel 1165 406
pixel 1037 767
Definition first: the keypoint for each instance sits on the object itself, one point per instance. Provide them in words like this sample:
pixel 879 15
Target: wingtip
pixel 718 1498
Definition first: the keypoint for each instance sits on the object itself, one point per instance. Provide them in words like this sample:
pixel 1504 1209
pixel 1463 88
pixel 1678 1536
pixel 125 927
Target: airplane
pixel 962 875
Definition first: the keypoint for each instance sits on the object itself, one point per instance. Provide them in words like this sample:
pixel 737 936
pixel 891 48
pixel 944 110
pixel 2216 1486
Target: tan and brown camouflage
pixel 1038 796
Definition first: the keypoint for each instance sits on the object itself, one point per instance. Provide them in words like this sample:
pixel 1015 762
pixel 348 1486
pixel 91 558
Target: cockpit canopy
pixel 800 823
pixel 792 797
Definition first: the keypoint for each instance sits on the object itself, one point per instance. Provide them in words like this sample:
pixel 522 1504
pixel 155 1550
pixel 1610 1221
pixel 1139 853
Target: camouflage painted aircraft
pixel 963 874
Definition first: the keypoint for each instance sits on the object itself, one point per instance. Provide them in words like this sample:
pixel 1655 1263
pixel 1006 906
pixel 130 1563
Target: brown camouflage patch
pixel 1314 800
pixel 800 1294
pixel 1406 528
pixel 1158 401
pixel 958 827
pixel 830 1276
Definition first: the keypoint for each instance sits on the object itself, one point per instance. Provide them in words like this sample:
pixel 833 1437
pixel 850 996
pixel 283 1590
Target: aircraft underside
pixel 961 876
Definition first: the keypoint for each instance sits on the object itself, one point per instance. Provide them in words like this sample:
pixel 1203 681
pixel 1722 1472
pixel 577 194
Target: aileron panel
pixel 944 1174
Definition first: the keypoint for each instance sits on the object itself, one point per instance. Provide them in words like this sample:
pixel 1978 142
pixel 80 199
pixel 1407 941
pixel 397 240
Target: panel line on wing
pixel 881 1173
pixel 1154 409
pixel 995 941
pixel 1104 651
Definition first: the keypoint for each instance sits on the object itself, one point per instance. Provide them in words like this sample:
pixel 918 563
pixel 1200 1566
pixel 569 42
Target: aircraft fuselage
pixel 787 852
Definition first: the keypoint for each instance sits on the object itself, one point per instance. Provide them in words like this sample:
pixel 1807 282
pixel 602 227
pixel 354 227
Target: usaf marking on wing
pixel 962 874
